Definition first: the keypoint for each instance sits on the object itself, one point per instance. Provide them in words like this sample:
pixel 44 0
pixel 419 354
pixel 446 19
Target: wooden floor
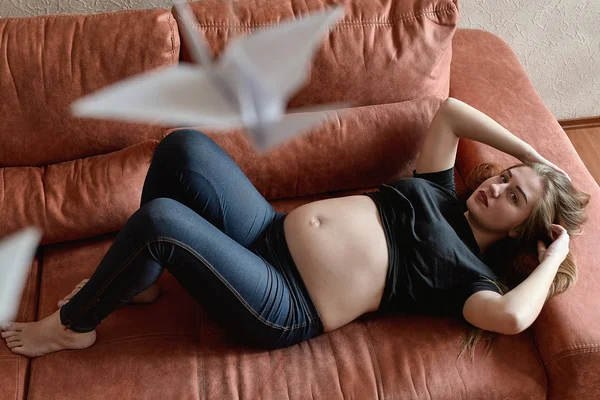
pixel 587 143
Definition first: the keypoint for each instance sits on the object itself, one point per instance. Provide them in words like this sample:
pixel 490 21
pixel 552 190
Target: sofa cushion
pixel 142 352
pixel 172 349
pixel 50 61
pixel 78 198
pixel 380 52
pixel 363 147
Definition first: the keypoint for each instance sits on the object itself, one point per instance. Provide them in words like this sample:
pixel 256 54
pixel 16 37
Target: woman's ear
pixel 513 233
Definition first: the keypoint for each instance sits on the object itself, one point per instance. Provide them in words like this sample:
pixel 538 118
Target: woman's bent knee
pixel 156 215
pixel 176 146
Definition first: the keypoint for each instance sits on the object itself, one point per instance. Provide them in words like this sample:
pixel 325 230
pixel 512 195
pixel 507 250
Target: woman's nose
pixel 496 189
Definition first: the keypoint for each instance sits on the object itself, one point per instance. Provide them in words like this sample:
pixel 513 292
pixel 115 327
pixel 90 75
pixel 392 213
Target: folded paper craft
pixel 16 254
pixel 249 86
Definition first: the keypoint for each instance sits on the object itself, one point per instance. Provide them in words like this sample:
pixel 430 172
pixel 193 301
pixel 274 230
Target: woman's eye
pixel 502 178
pixel 514 197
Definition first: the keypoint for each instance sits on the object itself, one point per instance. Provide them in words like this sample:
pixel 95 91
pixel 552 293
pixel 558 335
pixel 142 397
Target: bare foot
pixel 147 296
pixel 35 339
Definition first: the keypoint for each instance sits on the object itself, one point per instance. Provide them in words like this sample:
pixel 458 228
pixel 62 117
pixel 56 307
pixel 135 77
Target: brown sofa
pixel 80 179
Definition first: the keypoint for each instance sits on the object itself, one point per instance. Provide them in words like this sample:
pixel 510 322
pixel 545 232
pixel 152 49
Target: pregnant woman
pixel 274 279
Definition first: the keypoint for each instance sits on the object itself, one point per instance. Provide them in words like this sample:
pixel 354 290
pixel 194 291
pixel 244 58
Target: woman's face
pixel 510 198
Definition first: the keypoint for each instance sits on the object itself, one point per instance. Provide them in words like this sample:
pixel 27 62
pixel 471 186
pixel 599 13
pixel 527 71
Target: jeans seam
pixel 68 323
pixel 231 289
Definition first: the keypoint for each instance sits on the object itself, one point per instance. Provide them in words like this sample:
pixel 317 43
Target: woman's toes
pixel 12 345
pixel 13 339
pixel 8 334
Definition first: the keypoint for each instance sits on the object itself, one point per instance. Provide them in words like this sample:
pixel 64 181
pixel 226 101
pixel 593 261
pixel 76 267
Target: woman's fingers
pixel 564 173
pixel 561 171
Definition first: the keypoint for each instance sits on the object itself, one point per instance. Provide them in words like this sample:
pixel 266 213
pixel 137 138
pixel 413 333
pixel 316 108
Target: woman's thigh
pixel 190 167
pixel 252 298
pixel 256 302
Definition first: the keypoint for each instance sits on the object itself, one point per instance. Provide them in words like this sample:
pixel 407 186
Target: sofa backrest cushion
pixel 75 199
pixel 380 52
pixel 362 147
pixel 50 61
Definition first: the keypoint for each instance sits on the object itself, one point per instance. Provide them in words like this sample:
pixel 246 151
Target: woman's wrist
pixel 528 153
pixel 552 261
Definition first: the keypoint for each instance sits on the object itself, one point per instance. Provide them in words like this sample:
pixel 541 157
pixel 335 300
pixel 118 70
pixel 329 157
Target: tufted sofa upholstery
pixel 395 61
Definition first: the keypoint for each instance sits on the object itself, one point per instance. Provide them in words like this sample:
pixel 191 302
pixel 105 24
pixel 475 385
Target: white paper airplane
pixel 16 255
pixel 249 86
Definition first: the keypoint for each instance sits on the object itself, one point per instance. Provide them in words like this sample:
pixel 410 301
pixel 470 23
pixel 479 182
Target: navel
pixel 314 221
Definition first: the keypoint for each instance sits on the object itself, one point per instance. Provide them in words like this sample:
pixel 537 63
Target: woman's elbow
pixel 516 325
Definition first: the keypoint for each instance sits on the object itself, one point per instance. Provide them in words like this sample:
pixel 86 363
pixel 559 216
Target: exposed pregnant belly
pixel 341 253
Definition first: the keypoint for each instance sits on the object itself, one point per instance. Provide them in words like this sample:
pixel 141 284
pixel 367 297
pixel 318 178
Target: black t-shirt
pixel 435 262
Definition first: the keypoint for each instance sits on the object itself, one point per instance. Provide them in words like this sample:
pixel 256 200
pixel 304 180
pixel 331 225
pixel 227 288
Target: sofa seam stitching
pixel 572 353
pixel 351 23
pixel 572 350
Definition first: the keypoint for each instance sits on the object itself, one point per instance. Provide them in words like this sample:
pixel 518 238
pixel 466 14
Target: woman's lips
pixel 482 197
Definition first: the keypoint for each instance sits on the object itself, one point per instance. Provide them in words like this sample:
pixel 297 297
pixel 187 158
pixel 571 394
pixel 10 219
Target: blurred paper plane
pixel 249 86
pixel 16 255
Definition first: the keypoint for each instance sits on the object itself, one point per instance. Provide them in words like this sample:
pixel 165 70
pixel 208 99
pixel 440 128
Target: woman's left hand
pixel 534 156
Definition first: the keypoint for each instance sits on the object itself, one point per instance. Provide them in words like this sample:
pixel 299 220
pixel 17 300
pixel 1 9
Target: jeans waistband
pixel 273 246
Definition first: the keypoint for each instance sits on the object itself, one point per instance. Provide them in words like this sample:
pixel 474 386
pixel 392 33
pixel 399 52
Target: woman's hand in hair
pixel 534 156
pixel 559 247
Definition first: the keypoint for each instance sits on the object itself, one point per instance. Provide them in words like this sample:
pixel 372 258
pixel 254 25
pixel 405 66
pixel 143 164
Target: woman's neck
pixel 483 238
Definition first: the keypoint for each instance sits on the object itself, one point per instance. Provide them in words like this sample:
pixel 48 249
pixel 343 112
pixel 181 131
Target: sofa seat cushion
pixel 360 147
pixel 49 61
pixel 173 349
pixel 142 351
pixel 380 52
pixel 78 198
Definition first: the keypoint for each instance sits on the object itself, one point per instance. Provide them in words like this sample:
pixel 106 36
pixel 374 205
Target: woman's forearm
pixel 468 122
pixel 526 300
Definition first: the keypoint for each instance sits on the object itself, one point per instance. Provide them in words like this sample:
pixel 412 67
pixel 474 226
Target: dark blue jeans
pixel 203 220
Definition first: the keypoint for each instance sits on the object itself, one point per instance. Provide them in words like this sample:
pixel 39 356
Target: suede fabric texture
pixel 380 52
pixel 50 61
pixel 487 75
pixel 75 199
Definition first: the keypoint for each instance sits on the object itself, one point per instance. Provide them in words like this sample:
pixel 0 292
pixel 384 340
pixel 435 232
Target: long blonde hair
pixel 513 259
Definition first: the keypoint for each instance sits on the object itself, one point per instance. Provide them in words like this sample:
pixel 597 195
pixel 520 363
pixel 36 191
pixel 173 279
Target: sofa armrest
pixel 486 74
